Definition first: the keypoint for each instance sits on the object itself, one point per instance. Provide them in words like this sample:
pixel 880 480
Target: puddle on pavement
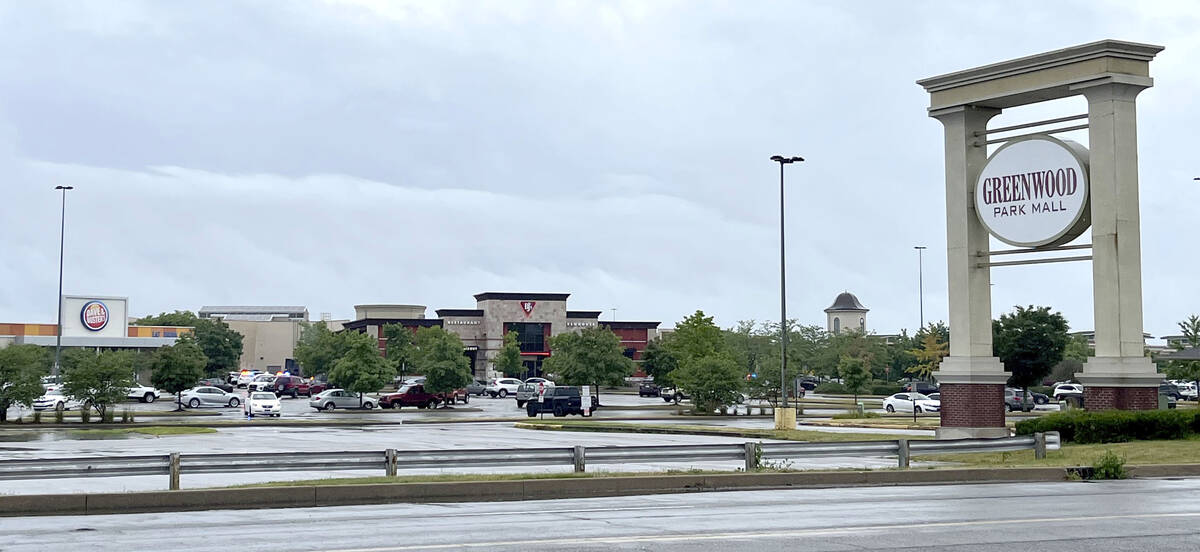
pixel 66 435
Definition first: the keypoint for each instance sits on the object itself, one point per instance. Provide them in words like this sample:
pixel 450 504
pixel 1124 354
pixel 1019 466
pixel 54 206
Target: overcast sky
pixel 329 154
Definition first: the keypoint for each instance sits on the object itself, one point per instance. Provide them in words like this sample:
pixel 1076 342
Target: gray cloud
pixel 332 153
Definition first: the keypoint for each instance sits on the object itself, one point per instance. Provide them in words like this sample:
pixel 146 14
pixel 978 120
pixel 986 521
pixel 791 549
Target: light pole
pixel 921 281
pixel 783 283
pixel 62 228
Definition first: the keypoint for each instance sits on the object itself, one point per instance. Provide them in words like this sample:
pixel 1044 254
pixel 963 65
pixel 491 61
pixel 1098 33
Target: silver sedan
pixel 209 396
pixel 332 399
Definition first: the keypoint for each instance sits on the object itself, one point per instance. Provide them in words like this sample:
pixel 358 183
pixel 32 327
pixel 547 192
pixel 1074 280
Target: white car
pixel 208 396
pixel 261 382
pixel 143 393
pixel 906 402
pixel 246 376
pixel 263 403
pixel 55 400
pixel 503 387
pixel 1067 390
pixel 1187 390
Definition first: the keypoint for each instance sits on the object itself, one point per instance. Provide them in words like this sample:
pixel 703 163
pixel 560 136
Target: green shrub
pixel 1109 466
pixel 126 416
pixel 884 389
pixel 1115 426
pixel 831 388
pixel 37 417
pixel 85 414
pixel 107 416
pixel 58 416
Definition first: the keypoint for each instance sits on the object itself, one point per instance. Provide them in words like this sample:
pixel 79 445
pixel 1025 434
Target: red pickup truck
pixel 415 395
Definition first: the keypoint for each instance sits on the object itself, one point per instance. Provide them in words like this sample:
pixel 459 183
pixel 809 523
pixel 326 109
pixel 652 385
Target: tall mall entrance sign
pixel 1037 193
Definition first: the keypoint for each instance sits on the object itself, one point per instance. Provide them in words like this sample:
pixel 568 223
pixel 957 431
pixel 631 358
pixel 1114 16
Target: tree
pixel 658 360
pixel 855 374
pixel 176 368
pixel 98 380
pixel 929 354
pixel 1029 341
pixel 1188 370
pixel 439 355
pixel 593 356
pixel 696 337
pixel 399 348
pixel 361 369
pixel 318 348
pixel 21 370
pixel 221 344
pixel 508 359
pixel 713 381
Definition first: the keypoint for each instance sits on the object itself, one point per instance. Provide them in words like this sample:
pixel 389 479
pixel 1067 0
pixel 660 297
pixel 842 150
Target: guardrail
pixel 392 460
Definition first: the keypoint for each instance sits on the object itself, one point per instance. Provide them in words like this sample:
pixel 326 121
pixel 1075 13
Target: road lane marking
pixel 763 534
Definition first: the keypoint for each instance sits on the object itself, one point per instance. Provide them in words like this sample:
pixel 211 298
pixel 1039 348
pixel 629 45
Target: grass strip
pixel 1181 451
pixel 157 431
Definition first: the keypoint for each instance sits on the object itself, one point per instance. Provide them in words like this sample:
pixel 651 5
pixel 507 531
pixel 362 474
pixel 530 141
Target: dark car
pixel 923 387
pixel 292 386
pixel 1169 389
pixel 317 386
pixel 809 383
pixel 219 383
pixel 561 401
pixel 415 395
pixel 649 389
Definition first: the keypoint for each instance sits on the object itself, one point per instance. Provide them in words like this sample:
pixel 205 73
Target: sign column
pixel 1120 375
pixel 972 380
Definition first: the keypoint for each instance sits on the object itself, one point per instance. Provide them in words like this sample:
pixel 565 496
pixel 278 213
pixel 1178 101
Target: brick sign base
pixel 972 405
pixel 1121 398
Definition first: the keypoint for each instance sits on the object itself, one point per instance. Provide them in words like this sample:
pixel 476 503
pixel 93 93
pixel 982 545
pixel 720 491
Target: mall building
pixel 535 317
pixel 92 321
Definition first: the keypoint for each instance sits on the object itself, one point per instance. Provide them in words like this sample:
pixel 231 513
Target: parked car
pixel 317 386
pixel 477 387
pixel 332 399
pixel 529 391
pixel 1015 400
pixel 1037 398
pixel 539 380
pixel 1187 390
pixel 503 387
pixel 219 383
pixel 55 400
pixel 561 401
pixel 264 403
pixel 923 387
pixel 1063 391
pixel 261 382
pixel 809 383
pixel 209 396
pixel 293 386
pixel 246 376
pixel 142 393
pixel 649 389
pixel 909 402
pixel 413 395
pixel 671 394
pixel 1169 389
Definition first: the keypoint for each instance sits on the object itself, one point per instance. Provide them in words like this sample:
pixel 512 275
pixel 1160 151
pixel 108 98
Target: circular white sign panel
pixel 1033 192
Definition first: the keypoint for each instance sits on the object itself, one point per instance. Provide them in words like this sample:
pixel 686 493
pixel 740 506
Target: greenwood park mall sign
pixel 1033 192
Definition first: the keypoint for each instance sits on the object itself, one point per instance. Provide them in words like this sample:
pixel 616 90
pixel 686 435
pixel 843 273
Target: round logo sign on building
pixel 94 315
pixel 1033 192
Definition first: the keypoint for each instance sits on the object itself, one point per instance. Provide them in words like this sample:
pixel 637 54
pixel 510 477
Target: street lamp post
pixel 783 283
pixel 62 228
pixel 921 282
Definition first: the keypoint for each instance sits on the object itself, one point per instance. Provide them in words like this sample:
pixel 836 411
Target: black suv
pixel 561 401
pixel 648 389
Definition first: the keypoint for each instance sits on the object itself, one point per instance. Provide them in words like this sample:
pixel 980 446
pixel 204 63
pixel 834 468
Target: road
pixel 1160 515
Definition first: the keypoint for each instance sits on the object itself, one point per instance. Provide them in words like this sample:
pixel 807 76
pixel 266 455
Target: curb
pixel 496 491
